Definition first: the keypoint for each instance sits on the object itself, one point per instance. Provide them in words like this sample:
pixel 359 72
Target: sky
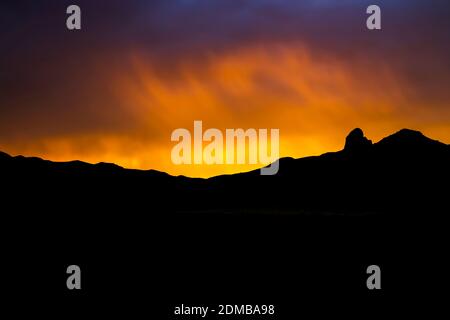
pixel 137 70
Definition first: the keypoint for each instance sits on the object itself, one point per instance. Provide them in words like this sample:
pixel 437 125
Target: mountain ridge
pixel 404 173
pixel 355 142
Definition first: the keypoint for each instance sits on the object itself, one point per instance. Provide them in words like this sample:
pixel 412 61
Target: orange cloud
pixel 313 100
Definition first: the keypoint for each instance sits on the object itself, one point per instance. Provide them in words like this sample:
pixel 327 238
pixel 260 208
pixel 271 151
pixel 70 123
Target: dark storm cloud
pixel 191 25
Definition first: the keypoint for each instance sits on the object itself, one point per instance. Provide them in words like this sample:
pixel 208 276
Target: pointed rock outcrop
pixel 356 141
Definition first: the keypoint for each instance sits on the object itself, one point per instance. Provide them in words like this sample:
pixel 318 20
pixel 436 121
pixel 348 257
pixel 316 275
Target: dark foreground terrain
pixel 302 239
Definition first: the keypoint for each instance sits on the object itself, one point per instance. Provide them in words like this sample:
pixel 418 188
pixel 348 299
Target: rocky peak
pixel 356 141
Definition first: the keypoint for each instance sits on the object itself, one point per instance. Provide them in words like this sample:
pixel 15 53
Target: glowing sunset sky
pixel 137 70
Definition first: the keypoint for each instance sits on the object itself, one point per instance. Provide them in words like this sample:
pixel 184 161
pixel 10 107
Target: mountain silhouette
pixel 404 171
pixel 315 226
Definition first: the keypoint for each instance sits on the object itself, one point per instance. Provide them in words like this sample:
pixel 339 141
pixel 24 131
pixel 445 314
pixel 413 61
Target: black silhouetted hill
pixel 136 230
pixel 404 172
